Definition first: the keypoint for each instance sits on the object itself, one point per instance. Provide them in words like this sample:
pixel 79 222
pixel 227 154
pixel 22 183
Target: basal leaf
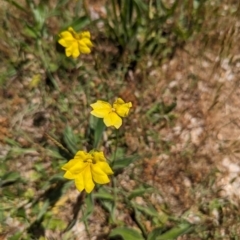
pixel 175 232
pixel 126 233
pixel 139 192
pixel 124 162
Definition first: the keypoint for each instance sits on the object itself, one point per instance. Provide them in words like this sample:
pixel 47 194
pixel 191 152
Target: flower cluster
pixel 86 169
pixel 111 114
pixel 75 43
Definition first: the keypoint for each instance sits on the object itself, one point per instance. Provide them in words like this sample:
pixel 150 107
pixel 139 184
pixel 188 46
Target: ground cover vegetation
pixel 119 119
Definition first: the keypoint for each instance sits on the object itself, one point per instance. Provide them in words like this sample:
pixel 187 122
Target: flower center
pixel 89 160
pixel 113 110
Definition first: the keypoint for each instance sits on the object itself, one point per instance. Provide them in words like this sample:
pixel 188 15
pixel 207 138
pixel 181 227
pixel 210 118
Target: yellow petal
pixel 88 181
pixel 68 51
pixel 82 155
pixel 112 119
pixel 66 39
pixel 65 42
pixel 75 52
pixel 78 168
pixel 119 101
pixel 85 34
pixel 99 175
pixel 66 34
pixel 96 169
pixel 72 50
pixel 84 49
pixel 98 156
pixel 78 164
pixel 69 164
pixel 69 175
pixel 122 108
pixel 79 182
pixel 105 167
pixel 75 166
pixel 101 109
pixel 71 30
pixel 85 42
pixel 100 179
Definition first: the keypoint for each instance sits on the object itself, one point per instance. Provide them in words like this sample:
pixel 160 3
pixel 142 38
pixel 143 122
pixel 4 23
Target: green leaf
pixel 54 154
pixel 56 177
pixel 40 15
pixel 11 142
pixel 139 192
pixel 175 232
pixel 8 178
pixel 31 4
pixel 89 207
pixel 30 31
pixel 155 233
pixel 108 205
pixel 70 139
pixel 53 67
pixel 96 129
pixel 80 23
pixel 43 209
pixel 150 211
pixel 141 6
pixel 16 236
pixel 103 196
pixel 21 213
pixel 99 129
pixel 124 162
pixel 126 233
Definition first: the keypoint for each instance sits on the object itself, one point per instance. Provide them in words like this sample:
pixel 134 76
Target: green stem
pixel 115 200
pixel 116 146
pixel 114 180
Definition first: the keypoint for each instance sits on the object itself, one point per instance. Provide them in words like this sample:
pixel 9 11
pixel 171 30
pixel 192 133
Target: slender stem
pixel 115 200
pixel 116 146
pixel 114 184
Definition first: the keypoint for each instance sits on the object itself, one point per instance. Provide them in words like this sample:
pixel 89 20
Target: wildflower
pixel 75 43
pixel 87 168
pixel 111 114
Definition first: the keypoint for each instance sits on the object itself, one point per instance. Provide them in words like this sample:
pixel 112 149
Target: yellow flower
pixel 75 43
pixel 111 114
pixel 87 168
